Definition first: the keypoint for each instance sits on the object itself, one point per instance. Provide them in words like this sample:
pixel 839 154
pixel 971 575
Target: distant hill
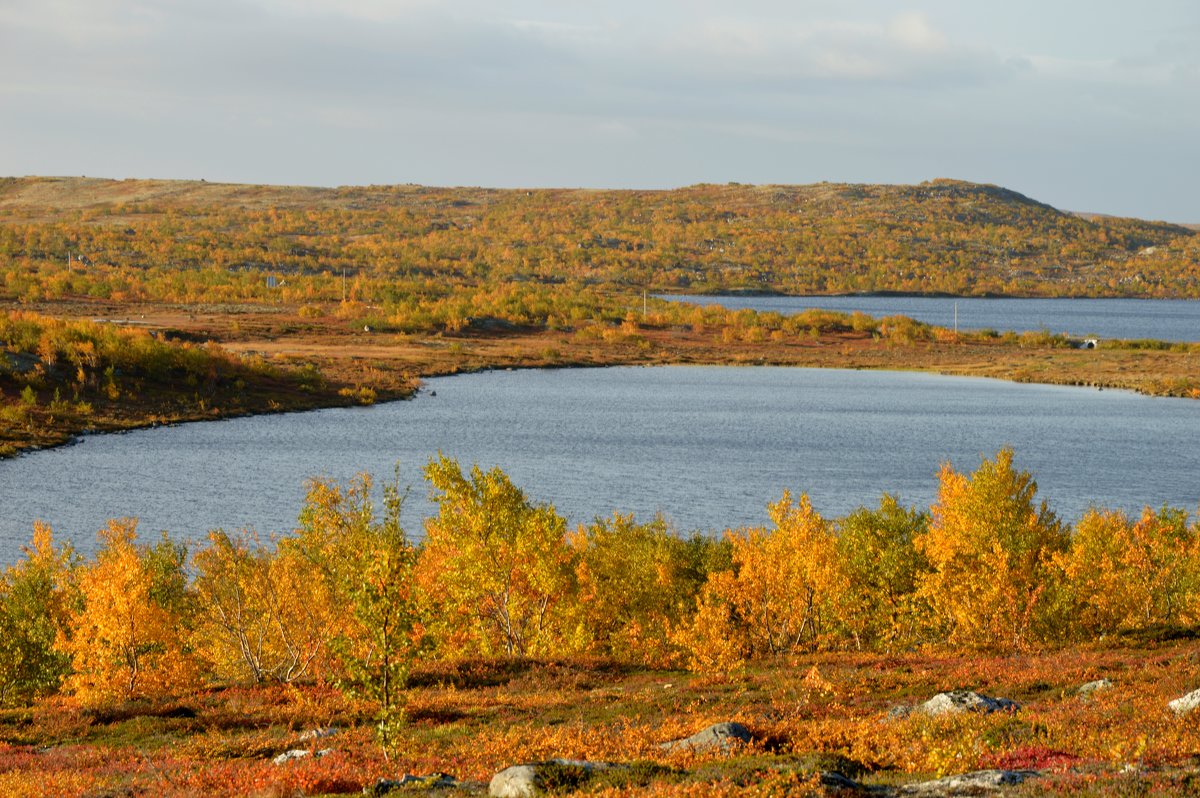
pixel 942 236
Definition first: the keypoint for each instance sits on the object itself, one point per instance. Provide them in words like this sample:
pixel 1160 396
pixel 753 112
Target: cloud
pixel 563 91
pixel 905 49
pixel 366 10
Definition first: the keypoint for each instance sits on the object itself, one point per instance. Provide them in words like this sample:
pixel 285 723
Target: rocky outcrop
pixel 981 782
pixel 1185 705
pixel 410 783
pixel 723 737
pixel 953 703
pixel 317 734
pixel 1091 688
pixel 299 753
pixel 536 778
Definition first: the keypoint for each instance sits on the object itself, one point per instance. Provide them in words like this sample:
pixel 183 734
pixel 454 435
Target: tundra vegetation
pixel 502 636
pixel 499 635
pixel 128 303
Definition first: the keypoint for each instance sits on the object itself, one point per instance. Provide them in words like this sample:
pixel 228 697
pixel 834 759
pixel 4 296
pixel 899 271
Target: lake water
pixel 707 446
pixel 1160 319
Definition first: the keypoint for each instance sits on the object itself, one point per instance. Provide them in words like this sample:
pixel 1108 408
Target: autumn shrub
pixel 1043 338
pixel 348 601
pixel 636 582
pixel 787 578
pixel 127 629
pixel 33 614
pixel 360 566
pixel 376 576
pixel 778 596
pixel 991 550
pixel 881 570
pixel 902 329
pixel 260 614
pixel 714 638
pixel 495 568
pixel 819 320
pixel 1123 575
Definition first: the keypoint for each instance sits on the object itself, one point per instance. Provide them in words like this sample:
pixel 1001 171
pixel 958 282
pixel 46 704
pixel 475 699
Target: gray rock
pixel 524 781
pixel 299 753
pixel 409 781
pixel 718 737
pixel 899 712
pixel 1098 686
pixel 958 701
pixel 980 782
pixel 1185 704
pixel 288 756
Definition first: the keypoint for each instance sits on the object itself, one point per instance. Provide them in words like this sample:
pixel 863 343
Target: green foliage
pixel 367 567
pixel 883 569
pixel 33 614
pixel 378 578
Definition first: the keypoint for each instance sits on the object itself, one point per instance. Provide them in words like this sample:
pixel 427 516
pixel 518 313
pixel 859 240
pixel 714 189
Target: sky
pixel 1089 105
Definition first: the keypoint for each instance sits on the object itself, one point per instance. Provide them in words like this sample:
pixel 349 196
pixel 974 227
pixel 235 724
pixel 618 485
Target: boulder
pixel 980 782
pixel 722 737
pixel 958 701
pixel 523 781
pixel 288 756
pixel 299 753
pixel 1098 686
pixel 1185 704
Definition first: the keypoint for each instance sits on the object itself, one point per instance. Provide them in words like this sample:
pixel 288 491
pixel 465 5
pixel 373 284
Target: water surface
pixel 1160 319
pixel 707 446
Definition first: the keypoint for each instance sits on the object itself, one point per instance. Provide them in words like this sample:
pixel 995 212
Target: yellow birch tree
pixel 126 635
pixel 991 551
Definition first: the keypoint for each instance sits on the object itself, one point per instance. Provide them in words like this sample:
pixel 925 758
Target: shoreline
pixel 361 367
pixel 78 437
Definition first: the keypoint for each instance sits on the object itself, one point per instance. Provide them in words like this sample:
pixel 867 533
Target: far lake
pixel 1160 319
pixel 707 446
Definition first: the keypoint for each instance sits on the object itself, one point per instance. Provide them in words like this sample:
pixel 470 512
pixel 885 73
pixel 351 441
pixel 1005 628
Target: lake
pixel 1160 319
pixel 707 446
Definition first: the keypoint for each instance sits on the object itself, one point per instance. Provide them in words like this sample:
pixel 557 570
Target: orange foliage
pixel 125 637
pixel 991 550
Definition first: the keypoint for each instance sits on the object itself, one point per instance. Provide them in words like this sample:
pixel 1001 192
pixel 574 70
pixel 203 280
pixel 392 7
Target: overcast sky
pixel 1086 104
